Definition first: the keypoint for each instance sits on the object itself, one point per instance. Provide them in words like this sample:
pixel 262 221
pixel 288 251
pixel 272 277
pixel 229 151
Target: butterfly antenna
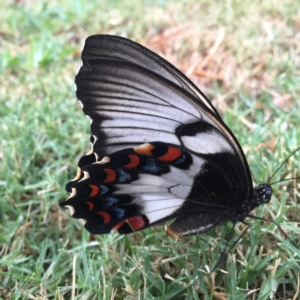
pixel 282 165
pixel 277 225
pixel 288 179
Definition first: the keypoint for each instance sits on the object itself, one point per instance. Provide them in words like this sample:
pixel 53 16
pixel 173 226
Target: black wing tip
pixel 112 42
pixel 99 40
pixel 98 37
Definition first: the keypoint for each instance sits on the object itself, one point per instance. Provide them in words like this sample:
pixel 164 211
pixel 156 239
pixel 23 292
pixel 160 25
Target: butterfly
pixel 160 150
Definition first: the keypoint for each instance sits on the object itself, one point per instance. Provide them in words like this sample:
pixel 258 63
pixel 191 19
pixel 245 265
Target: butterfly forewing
pixel 115 48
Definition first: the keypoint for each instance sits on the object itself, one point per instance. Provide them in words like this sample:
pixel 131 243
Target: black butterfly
pixel 160 150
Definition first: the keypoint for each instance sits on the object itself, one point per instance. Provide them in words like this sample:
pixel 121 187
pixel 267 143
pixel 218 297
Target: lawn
pixel 244 55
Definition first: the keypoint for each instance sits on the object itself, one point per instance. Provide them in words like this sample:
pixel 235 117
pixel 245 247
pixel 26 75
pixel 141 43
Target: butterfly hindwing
pixel 152 182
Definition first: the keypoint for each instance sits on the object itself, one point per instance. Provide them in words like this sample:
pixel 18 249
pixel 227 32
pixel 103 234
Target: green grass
pixel 43 133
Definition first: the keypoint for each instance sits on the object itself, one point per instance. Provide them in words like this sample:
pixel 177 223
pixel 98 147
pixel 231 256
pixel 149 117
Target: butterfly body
pixel 160 150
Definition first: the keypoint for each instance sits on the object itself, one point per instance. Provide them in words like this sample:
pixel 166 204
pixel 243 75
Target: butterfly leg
pixel 225 252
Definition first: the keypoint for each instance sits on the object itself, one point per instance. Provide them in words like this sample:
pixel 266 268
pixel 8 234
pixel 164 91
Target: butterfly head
pixel 263 193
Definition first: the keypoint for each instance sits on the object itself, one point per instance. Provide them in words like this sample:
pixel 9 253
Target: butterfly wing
pixel 116 48
pixel 134 98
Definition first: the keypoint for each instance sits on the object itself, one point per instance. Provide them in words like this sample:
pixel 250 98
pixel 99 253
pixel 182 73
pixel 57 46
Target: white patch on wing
pixel 185 177
pixel 207 143
pixel 177 183
pixel 181 191
pixel 155 197
pixel 159 196
pixel 167 180
pixel 153 180
pixel 178 176
pixel 139 189
pixel 195 167
pixel 160 206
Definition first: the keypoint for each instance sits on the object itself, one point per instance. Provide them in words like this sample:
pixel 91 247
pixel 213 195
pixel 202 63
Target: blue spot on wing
pixel 104 189
pixel 118 212
pixel 109 201
pixel 123 176
pixel 151 166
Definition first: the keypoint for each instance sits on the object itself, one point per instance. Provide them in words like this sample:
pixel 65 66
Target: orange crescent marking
pixel 95 190
pixel 144 149
pixel 136 223
pixel 106 216
pixel 90 204
pixel 134 161
pixel 111 175
pixel 172 154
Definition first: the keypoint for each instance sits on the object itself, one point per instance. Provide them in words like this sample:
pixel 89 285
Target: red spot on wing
pixel 136 223
pixel 95 190
pixel 111 175
pixel 172 154
pixel 106 216
pixel 144 149
pixel 90 204
pixel 134 161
